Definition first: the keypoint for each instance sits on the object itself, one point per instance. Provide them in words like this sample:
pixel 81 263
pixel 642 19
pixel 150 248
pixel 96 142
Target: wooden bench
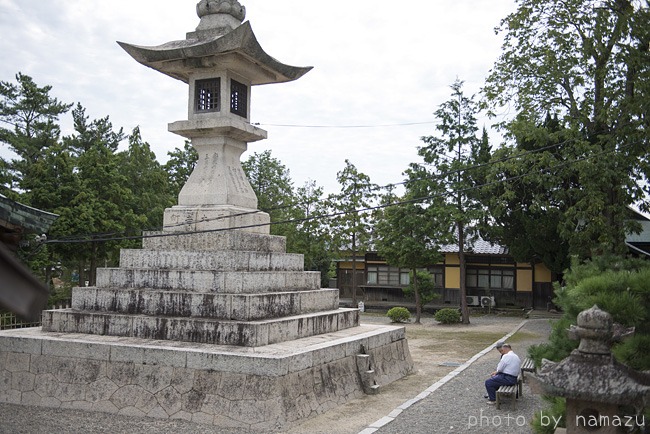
pixel 528 365
pixel 512 392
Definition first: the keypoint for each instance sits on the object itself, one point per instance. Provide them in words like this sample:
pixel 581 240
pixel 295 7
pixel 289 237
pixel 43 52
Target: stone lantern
pixel 204 322
pixel 220 61
pixel 594 384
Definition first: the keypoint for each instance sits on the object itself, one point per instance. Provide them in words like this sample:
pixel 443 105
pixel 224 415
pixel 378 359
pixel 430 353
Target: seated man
pixel 506 373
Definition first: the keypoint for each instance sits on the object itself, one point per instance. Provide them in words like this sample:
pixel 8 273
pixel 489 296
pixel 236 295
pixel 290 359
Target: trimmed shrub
pixel 448 315
pixel 399 314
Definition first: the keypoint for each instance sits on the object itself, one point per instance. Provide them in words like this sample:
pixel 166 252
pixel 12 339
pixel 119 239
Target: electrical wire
pixel 339 213
pixel 406 124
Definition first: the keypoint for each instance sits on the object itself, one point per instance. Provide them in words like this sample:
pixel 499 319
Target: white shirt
pixel 509 364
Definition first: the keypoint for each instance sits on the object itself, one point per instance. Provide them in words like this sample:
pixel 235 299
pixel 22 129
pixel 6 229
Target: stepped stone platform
pixel 261 389
pixel 222 328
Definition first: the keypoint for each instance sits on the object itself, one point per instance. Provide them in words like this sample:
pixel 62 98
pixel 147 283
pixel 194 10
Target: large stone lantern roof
pixel 220 41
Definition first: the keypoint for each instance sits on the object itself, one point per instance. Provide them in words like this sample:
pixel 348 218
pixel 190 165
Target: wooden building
pixel 493 279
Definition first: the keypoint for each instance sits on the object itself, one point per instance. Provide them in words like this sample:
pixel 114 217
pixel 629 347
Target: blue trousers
pixel 493 383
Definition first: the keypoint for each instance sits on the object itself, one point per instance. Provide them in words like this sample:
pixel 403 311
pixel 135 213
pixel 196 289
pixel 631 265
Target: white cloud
pixel 375 62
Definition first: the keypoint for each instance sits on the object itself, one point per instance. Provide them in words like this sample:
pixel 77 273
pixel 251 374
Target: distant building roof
pixel 478 246
pixel 16 216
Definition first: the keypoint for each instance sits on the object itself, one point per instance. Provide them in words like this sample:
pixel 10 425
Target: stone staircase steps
pixel 235 282
pixel 214 241
pixel 200 330
pixel 214 261
pixel 239 307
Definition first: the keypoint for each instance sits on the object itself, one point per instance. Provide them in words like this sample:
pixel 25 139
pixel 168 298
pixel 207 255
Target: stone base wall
pixel 266 392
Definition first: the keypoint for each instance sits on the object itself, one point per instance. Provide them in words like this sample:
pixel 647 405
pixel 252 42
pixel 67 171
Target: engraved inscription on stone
pixel 238 180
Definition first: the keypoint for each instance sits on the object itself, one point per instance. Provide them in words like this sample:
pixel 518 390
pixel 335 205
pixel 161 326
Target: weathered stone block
pixel 45 385
pixel 84 350
pixel 79 370
pixel 153 379
pixel 30 398
pixel 13 344
pixel 183 379
pixel 70 392
pixel 17 362
pixel 230 240
pixel 101 390
pixel 211 261
pixel 23 381
pixel 121 373
pixel 133 396
pixel 170 400
pixel 322 299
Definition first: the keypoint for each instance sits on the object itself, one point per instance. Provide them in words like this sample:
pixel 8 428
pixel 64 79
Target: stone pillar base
pixel 193 219
pixel 266 390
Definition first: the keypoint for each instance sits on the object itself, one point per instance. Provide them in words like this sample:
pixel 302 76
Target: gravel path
pixel 458 406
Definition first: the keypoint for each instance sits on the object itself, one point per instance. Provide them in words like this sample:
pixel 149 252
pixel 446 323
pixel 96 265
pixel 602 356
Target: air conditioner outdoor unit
pixel 487 301
pixel 473 300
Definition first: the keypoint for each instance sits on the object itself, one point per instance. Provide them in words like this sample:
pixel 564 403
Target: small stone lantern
pixel 594 384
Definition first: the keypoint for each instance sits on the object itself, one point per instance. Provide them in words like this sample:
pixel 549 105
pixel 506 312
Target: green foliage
pixel 350 227
pixel 100 194
pixel 60 296
pixel 179 167
pixel 454 167
pixel 311 237
pixel 558 347
pixel 544 421
pixel 424 283
pixel 292 211
pixel 405 235
pixel 398 314
pixel 618 286
pixel 577 73
pixel 147 181
pixel 273 187
pixel 524 204
pixel 448 315
pixel 422 288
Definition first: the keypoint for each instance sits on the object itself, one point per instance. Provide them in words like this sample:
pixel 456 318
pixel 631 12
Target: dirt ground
pixel 431 345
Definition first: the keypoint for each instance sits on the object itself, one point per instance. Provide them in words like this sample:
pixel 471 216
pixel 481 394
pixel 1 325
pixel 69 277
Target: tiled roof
pixel 478 246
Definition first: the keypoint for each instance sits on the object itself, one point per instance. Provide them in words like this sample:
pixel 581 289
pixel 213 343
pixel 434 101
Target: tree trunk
pixel 461 259
pixel 48 271
pixel 354 269
pixel 418 301
pixel 82 267
pixel 92 272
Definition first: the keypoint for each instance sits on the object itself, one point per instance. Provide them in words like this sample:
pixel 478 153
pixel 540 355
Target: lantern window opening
pixel 208 95
pixel 238 98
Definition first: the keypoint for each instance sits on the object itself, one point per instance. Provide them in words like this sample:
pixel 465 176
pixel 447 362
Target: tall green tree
pixel 407 236
pixel 588 63
pixel 179 166
pixel 351 227
pixel 454 157
pixel 273 187
pixel 147 180
pixel 28 126
pixel 102 207
pixel 525 203
pixel 312 237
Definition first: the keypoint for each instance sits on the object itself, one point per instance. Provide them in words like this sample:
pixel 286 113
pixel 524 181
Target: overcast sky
pixel 376 62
